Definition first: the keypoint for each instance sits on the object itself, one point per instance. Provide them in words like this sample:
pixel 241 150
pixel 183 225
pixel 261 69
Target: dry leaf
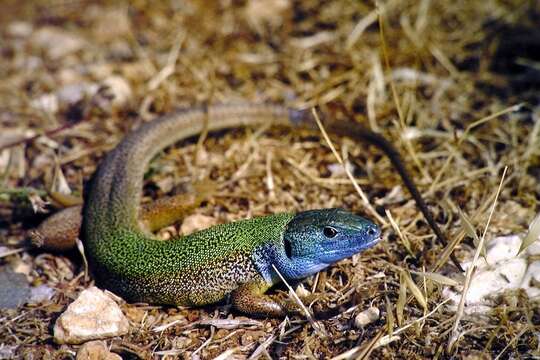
pixel 469 228
pixel 402 299
pixel 438 278
pixel 415 290
pixel 532 235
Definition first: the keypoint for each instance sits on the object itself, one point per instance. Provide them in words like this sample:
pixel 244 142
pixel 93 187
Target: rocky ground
pixel 453 85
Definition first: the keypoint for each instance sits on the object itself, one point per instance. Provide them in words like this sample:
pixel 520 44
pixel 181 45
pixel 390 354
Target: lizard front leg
pixel 250 298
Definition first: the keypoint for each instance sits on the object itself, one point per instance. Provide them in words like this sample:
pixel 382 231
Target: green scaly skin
pixel 198 269
pixel 204 267
pixel 242 258
pixel 239 258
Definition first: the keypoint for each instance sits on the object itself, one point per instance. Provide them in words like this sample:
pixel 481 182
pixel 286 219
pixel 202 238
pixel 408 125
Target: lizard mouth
pixel 338 254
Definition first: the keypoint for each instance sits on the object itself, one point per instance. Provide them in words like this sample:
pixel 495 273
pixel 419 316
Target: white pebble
pixel 504 270
pixel 94 315
pixel 19 29
pixel 302 292
pixel 41 293
pixel 120 90
pixel 72 93
pixel 56 42
pixel 367 316
pixel 486 282
pixel 47 103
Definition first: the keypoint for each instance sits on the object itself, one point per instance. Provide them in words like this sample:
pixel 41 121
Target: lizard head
pixel 315 239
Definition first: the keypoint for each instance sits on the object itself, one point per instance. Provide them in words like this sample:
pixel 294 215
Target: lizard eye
pixel 329 232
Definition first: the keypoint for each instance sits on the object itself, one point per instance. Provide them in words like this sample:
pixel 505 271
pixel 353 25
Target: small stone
pixel 56 42
pixel 14 289
pixel 96 350
pixel 503 270
pixel 73 93
pixel 119 90
pixel 491 282
pixel 93 315
pixel 166 184
pixel 534 248
pixel 29 63
pixel 136 71
pixel 531 280
pixel 267 12
pixel 302 292
pixel 41 293
pixel 196 222
pixel 202 156
pixel 337 170
pixel 20 29
pixel 502 248
pixel 8 351
pixel 367 316
pixel 47 103
pixel 181 342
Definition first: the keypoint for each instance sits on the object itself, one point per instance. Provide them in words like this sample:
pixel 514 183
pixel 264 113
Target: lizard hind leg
pixel 169 210
pixel 59 231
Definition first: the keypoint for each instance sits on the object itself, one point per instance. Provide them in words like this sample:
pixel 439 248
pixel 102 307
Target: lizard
pixel 240 260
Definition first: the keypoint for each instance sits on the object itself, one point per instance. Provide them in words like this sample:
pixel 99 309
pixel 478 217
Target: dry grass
pixel 447 68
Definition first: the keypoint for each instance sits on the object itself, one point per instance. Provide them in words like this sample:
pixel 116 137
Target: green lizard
pixel 239 259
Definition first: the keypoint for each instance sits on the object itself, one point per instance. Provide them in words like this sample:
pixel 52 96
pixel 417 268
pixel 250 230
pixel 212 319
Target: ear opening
pixel 288 247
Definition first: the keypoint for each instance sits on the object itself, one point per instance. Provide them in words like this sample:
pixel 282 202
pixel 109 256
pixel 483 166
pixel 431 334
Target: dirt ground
pixel 454 85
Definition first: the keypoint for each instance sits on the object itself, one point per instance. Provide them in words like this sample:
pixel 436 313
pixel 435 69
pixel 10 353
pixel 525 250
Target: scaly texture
pixel 193 270
pixel 197 269
pixel 236 258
